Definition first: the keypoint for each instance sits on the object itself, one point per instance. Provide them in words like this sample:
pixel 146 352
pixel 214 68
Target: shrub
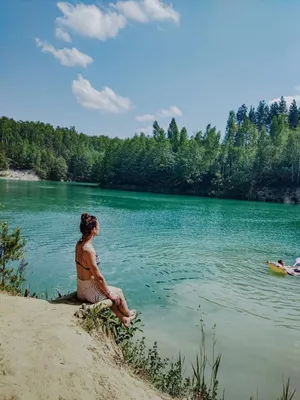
pixel 12 262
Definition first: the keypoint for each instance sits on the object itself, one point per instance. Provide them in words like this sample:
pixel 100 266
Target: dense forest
pixel 258 157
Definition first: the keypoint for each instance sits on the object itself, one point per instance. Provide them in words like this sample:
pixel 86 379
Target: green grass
pixel 167 375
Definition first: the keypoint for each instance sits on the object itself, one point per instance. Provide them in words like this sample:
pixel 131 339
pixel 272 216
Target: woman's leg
pixel 123 304
pixel 125 320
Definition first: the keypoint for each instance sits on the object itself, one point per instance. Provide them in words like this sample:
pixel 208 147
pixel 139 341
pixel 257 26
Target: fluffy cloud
pixel 61 34
pixel 289 99
pixel 67 57
pixel 90 21
pixel 132 10
pixel 148 10
pixel 147 130
pixel 106 100
pixel 94 22
pixel 145 118
pixel 173 111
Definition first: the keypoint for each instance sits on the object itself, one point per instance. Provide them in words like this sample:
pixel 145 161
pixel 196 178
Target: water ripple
pixel 171 255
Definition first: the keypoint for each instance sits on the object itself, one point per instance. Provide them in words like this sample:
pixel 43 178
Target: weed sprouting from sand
pixel 111 325
pixel 167 374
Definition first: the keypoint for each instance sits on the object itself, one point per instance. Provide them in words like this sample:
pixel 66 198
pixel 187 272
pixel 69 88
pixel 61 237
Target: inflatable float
pixel 285 270
pixel 277 268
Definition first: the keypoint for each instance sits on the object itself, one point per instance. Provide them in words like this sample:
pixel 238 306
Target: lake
pixel 173 255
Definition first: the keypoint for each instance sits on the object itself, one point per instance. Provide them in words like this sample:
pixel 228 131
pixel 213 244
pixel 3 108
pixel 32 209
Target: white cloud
pixel 158 11
pixel 289 99
pixel 90 21
pixel 132 10
pixel 96 22
pixel 148 10
pixel 61 34
pixel 106 100
pixel 145 118
pixel 67 57
pixel 173 111
pixel 147 130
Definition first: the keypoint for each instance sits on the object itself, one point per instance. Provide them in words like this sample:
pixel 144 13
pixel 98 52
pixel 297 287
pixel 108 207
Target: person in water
pixel 296 266
pixel 91 285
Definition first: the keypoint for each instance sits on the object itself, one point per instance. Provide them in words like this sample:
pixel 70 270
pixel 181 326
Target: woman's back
pixel 82 266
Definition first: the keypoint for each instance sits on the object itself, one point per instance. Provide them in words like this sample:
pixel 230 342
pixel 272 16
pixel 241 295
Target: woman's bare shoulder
pixel 88 248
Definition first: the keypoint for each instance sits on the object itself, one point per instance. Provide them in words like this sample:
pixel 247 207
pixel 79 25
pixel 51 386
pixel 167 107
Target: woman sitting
pixel 91 285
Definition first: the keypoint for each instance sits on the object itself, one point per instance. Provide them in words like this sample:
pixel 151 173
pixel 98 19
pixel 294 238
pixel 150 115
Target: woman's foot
pixel 127 320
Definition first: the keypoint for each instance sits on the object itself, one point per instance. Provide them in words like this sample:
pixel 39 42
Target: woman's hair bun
pixel 87 224
pixel 84 217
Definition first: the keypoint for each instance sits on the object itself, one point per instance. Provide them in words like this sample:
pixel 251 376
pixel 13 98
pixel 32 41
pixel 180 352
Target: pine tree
pixel 241 114
pixel 183 137
pixel 156 129
pixel 173 134
pixel 231 128
pixel 252 115
pixel 282 106
pixel 274 110
pixel 262 115
pixel 293 115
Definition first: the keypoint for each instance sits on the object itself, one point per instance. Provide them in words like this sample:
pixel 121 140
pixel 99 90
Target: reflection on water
pixel 172 254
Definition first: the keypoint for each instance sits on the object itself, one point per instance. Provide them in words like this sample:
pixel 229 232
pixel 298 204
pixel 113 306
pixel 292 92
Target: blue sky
pixel 112 67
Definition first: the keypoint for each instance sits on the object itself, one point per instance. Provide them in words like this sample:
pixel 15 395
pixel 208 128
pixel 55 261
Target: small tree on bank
pixel 12 262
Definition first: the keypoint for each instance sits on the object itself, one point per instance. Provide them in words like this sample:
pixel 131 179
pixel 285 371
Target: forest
pixel 257 157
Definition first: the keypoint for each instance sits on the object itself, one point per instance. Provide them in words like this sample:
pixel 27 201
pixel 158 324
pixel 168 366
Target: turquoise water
pixel 172 254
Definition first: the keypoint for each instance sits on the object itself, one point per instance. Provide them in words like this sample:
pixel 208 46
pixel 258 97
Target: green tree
pixel 4 164
pixel 230 137
pixel 274 110
pixel 174 135
pixel 12 246
pixel 190 168
pixel 282 106
pixel 252 115
pixel 293 115
pixel 242 114
pixel 58 170
pixel 158 132
pixel 183 137
pixel 262 115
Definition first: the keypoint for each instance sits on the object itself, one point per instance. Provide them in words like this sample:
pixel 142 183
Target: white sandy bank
pixel 45 354
pixel 20 175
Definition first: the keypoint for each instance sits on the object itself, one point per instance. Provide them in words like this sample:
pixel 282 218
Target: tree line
pixel 257 157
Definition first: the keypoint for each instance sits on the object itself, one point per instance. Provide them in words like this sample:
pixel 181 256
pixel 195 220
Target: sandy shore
pixel 45 354
pixel 21 175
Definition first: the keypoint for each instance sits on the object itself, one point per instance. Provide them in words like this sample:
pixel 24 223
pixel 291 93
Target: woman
pixel 91 285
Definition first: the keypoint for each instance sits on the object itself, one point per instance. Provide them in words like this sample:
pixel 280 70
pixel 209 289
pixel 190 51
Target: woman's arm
pixel 96 274
pixel 99 278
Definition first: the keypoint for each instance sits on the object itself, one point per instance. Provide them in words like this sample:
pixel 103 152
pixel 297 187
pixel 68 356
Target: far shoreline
pixel 288 196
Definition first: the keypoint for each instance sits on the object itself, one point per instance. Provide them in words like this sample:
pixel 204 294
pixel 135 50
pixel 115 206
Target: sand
pixel 45 354
pixel 19 175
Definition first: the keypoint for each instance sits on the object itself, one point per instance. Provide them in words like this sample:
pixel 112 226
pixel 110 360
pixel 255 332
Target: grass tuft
pixel 167 375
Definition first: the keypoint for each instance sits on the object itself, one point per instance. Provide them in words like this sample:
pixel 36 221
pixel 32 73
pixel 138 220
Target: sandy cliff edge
pixel 45 354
